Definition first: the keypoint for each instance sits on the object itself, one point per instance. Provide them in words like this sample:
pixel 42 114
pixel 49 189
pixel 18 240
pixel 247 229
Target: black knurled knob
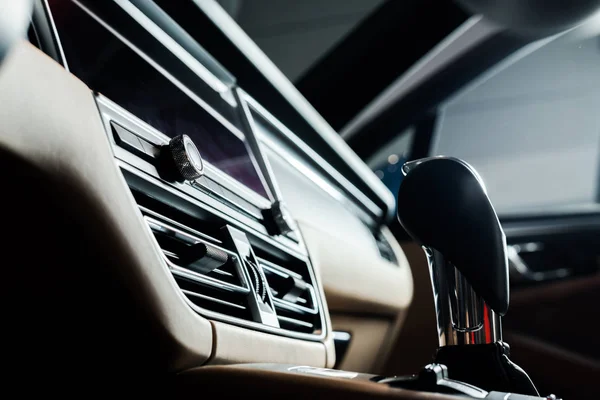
pixel 186 158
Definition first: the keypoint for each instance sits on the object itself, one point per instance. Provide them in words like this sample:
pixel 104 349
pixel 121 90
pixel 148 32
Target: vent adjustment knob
pixel 180 160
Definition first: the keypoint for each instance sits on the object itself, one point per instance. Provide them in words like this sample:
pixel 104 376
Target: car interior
pixel 301 199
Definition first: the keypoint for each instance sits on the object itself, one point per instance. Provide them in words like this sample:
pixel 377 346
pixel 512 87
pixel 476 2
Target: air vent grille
pixel 294 298
pixel 220 286
pixel 385 249
pixel 232 276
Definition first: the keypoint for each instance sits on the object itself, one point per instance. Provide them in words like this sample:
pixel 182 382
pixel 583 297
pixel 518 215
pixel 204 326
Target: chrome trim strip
pixel 192 95
pixel 205 280
pixel 207 76
pixel 295 307
pixel 201 296
pixel 304 148
pixel 520 271
pixel 295 321
pixel 183 38
pixel 178 225
pixel 343 336
pixel 260 159
pixel 63 59
pixel 278 269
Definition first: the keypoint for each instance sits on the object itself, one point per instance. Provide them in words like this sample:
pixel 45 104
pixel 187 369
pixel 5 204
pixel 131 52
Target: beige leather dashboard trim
pixel 365 349
pixel 416 343
pixel 49 119
pixel 226 381
pixel 238 345
pixel 372 317
pixel 355 278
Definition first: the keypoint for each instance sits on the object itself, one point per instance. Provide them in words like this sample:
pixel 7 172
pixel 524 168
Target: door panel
pixel 555 291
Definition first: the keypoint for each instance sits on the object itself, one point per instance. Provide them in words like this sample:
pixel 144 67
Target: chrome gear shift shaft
pixel 463 317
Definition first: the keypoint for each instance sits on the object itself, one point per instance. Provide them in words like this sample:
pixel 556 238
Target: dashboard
pixel 264 256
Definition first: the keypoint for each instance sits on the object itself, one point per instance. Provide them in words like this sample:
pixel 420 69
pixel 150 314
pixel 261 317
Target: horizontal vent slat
pixel 175 239
pixel 208 280
pixel 216 300
pixel 301 304
pixel 222 290
pixel 220 272
pixel 294 297
pixel 208 298
pixel 293 307
pixel 295 322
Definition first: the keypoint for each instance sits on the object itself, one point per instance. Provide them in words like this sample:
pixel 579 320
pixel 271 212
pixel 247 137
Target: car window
pixel 386 162
pixel 532 130
pixel 530 127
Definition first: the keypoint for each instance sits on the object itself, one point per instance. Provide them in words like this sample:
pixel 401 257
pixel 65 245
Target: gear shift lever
pixel 443 205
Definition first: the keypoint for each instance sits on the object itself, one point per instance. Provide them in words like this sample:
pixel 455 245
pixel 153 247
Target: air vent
pixel 294 298
pixel 208 273
pixel 385 249
pixel 229 275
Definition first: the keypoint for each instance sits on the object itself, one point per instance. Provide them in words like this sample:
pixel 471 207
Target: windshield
pixel 295 35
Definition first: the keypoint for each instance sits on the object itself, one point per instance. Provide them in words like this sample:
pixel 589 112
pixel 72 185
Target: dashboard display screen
pixel 109 66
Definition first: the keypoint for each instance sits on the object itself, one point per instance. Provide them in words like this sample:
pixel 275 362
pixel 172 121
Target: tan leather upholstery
pixel 236 345
pixel 77 232
pixel 366 295
pixel 356 279
pixel 228 381
pixel 551 331
pixel 417 342
pixel 368 336
pixel 87 290
pixel 85 284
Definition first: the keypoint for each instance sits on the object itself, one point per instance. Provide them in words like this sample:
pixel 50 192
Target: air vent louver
pixel 213 280
pixel 227 277
pixel 294 298
pixel 385 249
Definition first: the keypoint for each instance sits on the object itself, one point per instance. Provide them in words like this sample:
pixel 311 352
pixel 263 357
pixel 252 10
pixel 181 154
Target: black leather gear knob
pixel 443 204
